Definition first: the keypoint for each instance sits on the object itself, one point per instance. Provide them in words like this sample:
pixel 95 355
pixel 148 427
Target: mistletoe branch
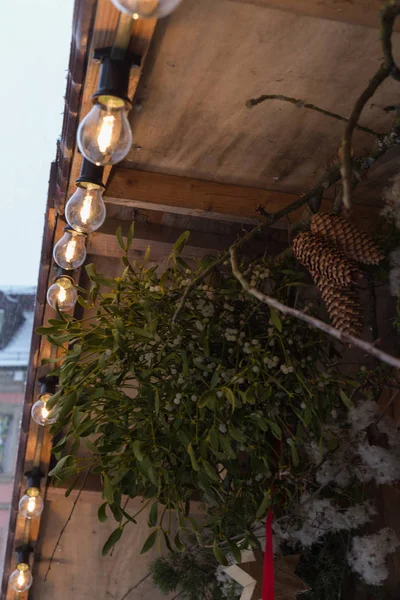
pixel 316 323
pixel 302 104
pixel 388 68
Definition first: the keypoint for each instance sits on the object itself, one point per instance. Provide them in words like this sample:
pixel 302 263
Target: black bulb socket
pixel 34 477
pixel 90 174
pixel 24 554
pixel 48 385
pixel 114 74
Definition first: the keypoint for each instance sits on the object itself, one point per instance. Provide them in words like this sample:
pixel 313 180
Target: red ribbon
pixel 268 586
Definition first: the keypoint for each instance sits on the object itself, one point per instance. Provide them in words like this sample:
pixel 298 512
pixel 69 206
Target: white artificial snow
pixel 368 554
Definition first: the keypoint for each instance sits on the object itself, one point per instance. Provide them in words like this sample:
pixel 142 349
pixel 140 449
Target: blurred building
pixel 16 322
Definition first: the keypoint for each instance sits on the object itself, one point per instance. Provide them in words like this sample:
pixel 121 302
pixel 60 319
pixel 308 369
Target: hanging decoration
pixel 21 579
pixel 104 136
pixel 85 211
pixel 70 251
pixel 62 294
pixel 31 504
pixel 147 9
pixel 40 413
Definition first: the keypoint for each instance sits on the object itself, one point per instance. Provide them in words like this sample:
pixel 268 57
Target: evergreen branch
pixel 302 104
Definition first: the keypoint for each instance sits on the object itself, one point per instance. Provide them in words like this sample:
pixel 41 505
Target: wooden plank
pixel 106 21
pixel 355 12
pixel 193 197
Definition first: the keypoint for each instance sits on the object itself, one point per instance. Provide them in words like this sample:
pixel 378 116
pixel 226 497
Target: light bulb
pixel 147 9
pixel 70 251
pixel 62 294
pixel 21 579
pixel 85 210
pixel 105 136
pixel 31 504
pixel 41 414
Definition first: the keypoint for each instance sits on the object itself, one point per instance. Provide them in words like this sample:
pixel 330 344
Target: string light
pixel 147 9
pixel 104 136
pixel 62 295
pixel 21 579
pixel 70 251
pixel 85 210
pixel 41 414
pixel 31 504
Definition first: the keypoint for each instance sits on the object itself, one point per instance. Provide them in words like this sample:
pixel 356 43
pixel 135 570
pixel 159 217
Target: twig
pixel 316 323
pixel 66 523
pixel 302 104
pixel 347 161
pixel 135 586
pixel 388 405
pixel 387 69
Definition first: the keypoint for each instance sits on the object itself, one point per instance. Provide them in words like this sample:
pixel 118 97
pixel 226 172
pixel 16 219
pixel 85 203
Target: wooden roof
pixel 203 160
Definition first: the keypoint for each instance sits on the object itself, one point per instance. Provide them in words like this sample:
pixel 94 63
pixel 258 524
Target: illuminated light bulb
pixel 31 504
pixel 62 294
pixel 147 9
pixel 70 251
pixel 41 414
pixel 21 579
pixel 104 136
pixel 85 210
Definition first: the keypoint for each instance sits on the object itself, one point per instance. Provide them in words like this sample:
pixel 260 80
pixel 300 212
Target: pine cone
pixel 324 260
pixel 343 307
pixel 356 244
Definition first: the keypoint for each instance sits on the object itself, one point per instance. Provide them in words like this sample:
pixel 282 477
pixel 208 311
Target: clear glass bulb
pixel 31 504
pixel 21 579
pixel 62 294
pixel 85 210
pixel 70 250
pixel 146 9
pixel 41 414
pixel 104 136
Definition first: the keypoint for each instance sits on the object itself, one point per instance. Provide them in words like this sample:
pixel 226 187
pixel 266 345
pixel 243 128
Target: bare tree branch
pixel 388 68
pixel 66 523
pixel 135 586
pixel 302 104
pixel 316 323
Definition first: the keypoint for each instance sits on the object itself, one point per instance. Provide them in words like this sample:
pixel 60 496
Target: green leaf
pixel 137 450
pixel 180 243
pixel 180 546
pixel 236 434
pixel 295 454
pixel 112 540
pixel 262 509
pixel 209 469
pixel 276 430
pixel 206 399
pixel 193 459
pixel 116 511
pixel 90 446
pixel 167 542
pixel 108 490
pixel 118 233
pixel 131 233
pixel 142 332
pixel 59 466
pixel 101 513
pixel 219 555
pixel 226 446
pixel 153 515
pixel 275 319
pixel 345 399
pixel 157 402
pixel 214 379
pixel 213 437
pixel 237 555
pixel 230 396
pixel 149 543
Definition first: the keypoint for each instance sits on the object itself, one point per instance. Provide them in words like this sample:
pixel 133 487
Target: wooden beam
pixel 193 197
pixel 354 12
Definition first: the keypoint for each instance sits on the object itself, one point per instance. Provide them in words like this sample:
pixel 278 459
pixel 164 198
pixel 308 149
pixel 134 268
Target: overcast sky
pixel 34 51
